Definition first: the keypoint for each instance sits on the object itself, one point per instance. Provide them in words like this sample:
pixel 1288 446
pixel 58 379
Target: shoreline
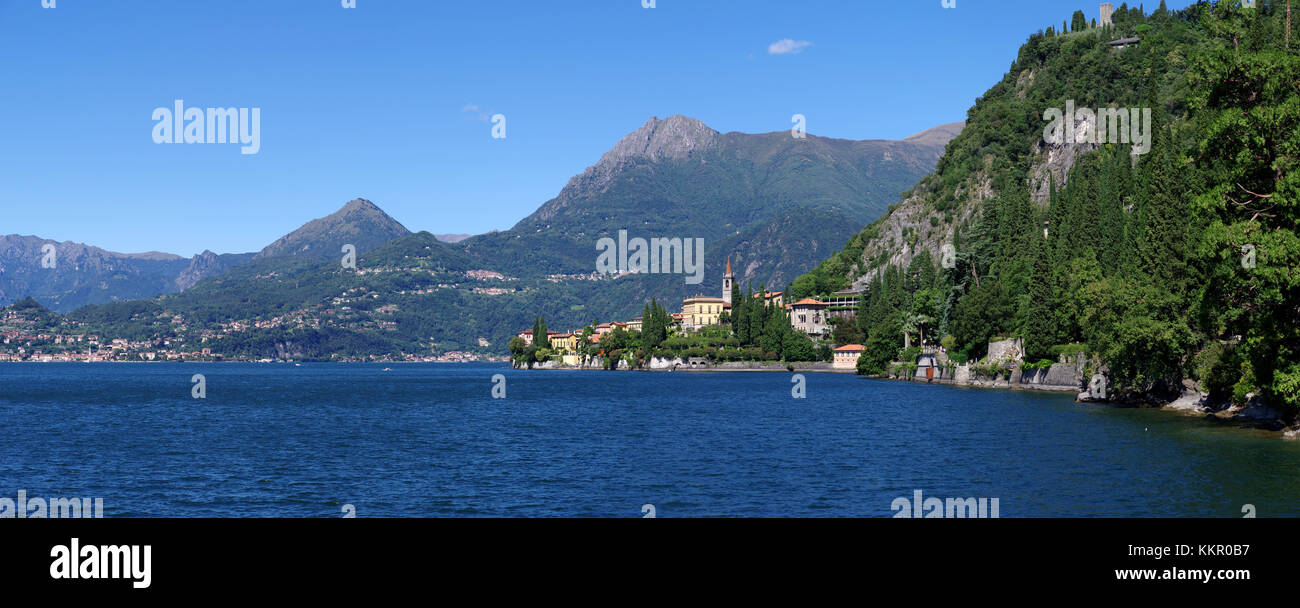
pixel 1190 404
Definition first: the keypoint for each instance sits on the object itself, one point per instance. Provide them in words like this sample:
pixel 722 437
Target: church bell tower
pixel 727 280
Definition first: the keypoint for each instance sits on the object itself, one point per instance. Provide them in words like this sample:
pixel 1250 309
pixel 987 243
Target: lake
pixel 429 440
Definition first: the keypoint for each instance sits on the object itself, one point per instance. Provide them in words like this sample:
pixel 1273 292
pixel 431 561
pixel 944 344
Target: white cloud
pixel 479 114
pixel 788 47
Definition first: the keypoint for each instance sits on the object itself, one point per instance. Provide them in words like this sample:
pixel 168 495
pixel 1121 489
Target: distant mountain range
pixel 82 274
pixel 774 204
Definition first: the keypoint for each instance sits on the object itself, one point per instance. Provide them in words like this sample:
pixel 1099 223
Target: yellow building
pixel 701 311
pixel 563 343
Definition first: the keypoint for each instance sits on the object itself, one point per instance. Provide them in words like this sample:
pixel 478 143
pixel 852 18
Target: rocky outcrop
pixel 1053 163
pixel 1255 413
pixel 674 138
pixel 208 264
pixel 907 230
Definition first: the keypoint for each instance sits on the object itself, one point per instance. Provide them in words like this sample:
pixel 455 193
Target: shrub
pixel 1069 350
pixel 1041 364
pixel 1218 367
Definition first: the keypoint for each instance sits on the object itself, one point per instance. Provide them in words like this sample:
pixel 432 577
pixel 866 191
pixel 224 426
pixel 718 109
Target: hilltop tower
pixel 727 280
pixel 1107 11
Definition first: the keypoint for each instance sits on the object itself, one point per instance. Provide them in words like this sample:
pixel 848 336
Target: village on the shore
pixel 707 330
pixel 28 335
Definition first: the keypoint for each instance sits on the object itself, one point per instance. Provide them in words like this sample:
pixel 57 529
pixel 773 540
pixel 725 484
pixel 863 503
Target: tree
pixel 845 332
pixel 517 348
pixel 1251 109
pixel 797 347
pixel 541 339
pixel 654 324
pixel 881 347
pixel 982 314
pixel 775 326
pixel 1162 217
pixel 613 343
pixel 1079 22
pixel 1041 328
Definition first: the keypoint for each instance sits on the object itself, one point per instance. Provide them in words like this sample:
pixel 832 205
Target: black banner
pixel 156 557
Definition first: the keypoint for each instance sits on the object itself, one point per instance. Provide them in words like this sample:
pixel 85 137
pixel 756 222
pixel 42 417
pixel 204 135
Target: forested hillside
pixel 1179 263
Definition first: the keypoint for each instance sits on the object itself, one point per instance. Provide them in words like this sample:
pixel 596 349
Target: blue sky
pixel 390 100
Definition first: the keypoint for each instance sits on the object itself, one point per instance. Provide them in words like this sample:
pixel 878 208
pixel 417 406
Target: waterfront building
pixel 701 311
pixel 846 357
pixel 809 316
pixel 562 343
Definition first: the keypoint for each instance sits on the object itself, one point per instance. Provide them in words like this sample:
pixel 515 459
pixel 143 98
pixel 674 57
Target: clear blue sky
pixel 378 101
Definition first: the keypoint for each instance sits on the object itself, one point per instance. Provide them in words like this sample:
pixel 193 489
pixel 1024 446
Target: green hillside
pixel 1176 264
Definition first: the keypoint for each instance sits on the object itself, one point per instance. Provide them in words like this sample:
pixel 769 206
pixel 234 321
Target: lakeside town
pixel 31 333
pixel 734 327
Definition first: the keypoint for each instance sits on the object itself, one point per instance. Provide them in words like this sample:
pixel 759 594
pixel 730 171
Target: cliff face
pixel 676 137
pixel 907 230
pixel 208 264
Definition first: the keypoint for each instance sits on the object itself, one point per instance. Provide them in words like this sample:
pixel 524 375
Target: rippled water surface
pixel 430 441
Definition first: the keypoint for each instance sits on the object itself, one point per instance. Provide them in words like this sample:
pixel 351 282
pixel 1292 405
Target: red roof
pixel 848 348
pixel 809 302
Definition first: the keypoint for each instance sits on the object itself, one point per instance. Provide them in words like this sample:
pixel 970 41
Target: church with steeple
pixel 728 279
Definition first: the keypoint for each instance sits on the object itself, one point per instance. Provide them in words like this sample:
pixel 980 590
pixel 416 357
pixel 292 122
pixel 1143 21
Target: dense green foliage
pixel 1181 262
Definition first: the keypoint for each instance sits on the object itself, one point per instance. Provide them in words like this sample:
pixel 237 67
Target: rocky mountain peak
pixel 360 206
pixel 675 137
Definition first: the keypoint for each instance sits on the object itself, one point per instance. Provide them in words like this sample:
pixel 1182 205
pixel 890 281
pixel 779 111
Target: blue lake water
pixel 428 440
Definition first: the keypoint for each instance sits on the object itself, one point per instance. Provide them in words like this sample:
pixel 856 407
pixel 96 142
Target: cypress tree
pixel 1161 249
pixel 1041 330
